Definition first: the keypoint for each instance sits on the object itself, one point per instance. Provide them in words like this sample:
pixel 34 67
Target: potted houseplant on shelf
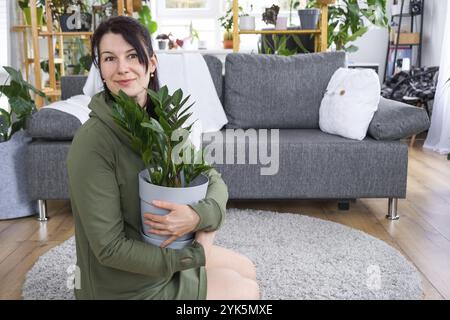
pixel 309 16
pixel 226 21
pixel 25 6
pixel 15 201
pixel 174 169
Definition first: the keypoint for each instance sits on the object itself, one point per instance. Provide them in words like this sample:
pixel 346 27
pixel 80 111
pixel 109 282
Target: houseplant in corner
pixel 14 199
pixel 350 19
pixel 25 6
pixel 173 168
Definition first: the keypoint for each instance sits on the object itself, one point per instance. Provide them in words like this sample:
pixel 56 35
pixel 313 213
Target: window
pixel 185 4
pixel 4 34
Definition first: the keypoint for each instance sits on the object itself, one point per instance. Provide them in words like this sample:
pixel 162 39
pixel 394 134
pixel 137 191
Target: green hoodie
pixel 113 261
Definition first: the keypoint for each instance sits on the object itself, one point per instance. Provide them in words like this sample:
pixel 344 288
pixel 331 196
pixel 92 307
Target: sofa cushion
pixel 312 164
pixel 52 124
pixel 270 91
pixel 396 120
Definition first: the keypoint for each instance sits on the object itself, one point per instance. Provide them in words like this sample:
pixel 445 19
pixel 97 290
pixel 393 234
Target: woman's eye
pixel 109 59
pixel 133 56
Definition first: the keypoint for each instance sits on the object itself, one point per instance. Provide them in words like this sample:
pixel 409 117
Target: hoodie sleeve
pixel 211 210
pixel 96 205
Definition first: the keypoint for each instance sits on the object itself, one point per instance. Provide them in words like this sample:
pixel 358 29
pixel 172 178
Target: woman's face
pixel 121 70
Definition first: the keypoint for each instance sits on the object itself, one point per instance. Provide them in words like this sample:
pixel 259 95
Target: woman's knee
pixel 227 284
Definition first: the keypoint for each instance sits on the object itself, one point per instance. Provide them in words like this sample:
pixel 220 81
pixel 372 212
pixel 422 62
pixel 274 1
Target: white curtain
pixel 438 138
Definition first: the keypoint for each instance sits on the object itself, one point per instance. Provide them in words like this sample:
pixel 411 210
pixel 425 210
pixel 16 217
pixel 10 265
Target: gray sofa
pixel 266 92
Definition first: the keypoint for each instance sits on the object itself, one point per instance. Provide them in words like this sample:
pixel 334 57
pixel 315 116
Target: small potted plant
pixel 174 168
pixel 14 199
pixel 25 6
pixel 309 16
pixel 226 21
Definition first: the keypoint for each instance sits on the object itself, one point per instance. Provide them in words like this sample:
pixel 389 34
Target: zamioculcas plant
pixel 168 155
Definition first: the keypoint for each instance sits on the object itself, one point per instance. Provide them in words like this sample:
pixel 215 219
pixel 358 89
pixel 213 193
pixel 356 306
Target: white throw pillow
pixel 350 102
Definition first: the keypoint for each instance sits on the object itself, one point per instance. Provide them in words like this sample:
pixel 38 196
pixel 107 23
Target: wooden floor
pixel 422 234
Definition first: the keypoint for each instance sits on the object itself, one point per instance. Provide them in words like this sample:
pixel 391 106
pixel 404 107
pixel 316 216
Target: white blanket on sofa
pixel 76 106
pixel 189 72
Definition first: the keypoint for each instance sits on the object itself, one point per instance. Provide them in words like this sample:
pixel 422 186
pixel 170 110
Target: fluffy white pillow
pixel 350 102
pixel 94 83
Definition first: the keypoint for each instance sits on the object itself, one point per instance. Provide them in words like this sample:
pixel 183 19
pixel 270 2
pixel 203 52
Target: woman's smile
pixel 125 82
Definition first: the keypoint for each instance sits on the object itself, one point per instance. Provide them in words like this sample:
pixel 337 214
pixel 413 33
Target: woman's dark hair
pixel 138 37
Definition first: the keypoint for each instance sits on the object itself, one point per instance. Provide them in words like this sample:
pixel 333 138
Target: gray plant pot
pixel 15 201
pixel 309 18
pixel 148 192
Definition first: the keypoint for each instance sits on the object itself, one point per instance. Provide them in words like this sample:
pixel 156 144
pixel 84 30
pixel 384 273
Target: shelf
pixel 393 45
pixel 403 15
pixel 69 34
pixel 20 27
pixel 279 31
pixel 51 92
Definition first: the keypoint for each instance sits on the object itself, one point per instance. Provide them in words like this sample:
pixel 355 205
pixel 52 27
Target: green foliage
pixel 26 3
pixel 226 21
pixel 20 101
pixel 145 18
pixel 279 45
pixel 170 162
pixel 346 21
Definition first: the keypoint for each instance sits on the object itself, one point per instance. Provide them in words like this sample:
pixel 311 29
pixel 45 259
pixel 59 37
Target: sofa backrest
pixel 73 85
pixel 271 91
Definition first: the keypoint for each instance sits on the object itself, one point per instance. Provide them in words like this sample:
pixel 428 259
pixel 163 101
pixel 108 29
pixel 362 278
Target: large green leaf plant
pixel 350 19
pixel 170 162
pixel 21 103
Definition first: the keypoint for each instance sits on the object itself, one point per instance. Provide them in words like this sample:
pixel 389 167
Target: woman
pixel 113 261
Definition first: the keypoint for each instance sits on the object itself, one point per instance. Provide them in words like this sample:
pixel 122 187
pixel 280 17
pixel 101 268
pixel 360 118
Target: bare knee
pixel 227 284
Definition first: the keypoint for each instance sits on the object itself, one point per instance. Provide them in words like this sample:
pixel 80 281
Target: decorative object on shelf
pixel 25 6
pixel 226 21
pixel 72 15
pixel 309 18
pixel 246 22
pixel 14 199
pixel 281 23
pixel 415 7
pixel 270 15
pixel 174 169
pixel 163 41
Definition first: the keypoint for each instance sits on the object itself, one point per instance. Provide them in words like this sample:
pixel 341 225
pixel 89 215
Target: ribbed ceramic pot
pixel 148 192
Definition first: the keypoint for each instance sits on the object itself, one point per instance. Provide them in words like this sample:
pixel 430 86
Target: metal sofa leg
pixel 392 209
pixel 42 207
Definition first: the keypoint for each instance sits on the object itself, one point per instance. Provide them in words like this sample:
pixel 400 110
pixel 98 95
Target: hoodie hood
pixel 101 106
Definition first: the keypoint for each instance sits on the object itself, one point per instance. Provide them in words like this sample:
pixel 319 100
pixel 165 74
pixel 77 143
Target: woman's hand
pixel 180 220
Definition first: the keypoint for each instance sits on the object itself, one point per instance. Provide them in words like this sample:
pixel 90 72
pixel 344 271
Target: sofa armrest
pixel 396 120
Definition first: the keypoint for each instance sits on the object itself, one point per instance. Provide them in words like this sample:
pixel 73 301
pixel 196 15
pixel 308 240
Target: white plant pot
pixel 15 201
pixel 148 192
pixel 247 23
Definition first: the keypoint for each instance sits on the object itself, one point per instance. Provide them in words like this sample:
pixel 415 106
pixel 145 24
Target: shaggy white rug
pixel 296 257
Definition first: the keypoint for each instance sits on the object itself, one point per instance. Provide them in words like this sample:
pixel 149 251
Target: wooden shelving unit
pixel 124 7
pixel 321 34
